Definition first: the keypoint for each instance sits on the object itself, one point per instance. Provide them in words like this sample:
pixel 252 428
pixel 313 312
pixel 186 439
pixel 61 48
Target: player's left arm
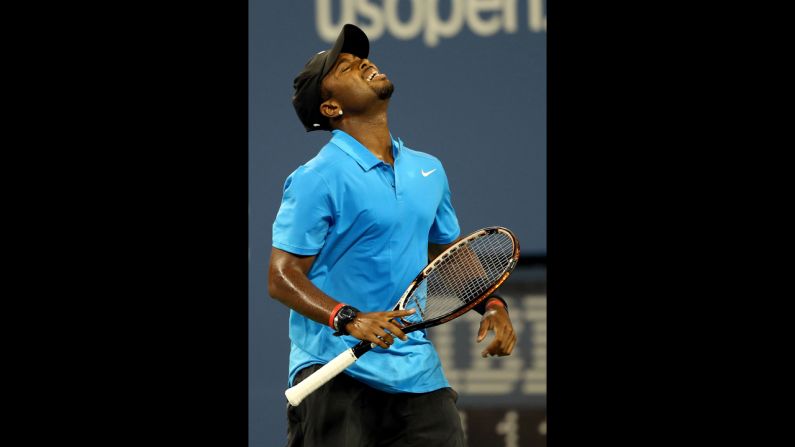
pixel 495 316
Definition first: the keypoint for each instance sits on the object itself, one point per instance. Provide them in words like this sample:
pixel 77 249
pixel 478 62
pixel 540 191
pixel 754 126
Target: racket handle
pixel 317 379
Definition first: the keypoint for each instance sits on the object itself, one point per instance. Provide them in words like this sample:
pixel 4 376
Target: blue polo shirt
pixel 369 225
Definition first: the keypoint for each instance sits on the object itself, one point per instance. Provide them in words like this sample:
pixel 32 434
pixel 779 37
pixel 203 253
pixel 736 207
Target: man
pixel 356 224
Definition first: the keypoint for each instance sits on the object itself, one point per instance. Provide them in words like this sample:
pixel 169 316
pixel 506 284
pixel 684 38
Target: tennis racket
pixel 453 283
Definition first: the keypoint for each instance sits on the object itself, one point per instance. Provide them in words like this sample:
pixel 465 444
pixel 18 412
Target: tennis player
pixel 356 224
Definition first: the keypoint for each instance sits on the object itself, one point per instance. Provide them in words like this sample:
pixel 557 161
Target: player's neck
pixel 372 132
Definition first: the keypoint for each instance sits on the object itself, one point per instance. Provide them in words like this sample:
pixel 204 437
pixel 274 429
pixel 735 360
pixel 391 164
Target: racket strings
pixel 464 276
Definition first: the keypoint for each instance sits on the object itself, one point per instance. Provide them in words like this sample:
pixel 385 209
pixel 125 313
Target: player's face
pixel 357 82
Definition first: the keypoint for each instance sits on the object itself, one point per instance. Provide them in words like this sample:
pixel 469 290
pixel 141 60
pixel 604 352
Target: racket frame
pixel 439 259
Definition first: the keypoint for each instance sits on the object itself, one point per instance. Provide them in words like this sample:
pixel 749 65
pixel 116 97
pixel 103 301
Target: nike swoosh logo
pixel 425 174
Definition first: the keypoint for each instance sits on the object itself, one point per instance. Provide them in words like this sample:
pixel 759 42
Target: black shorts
pixel 347 413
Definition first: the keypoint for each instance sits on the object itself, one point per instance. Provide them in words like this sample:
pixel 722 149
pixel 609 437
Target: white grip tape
pixel 330 370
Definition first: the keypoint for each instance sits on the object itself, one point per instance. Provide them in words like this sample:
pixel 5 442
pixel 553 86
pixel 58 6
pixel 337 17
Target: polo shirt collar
pixel 358 152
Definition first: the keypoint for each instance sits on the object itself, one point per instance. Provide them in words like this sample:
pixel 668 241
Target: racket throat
pixel 419 307
pixel 361 348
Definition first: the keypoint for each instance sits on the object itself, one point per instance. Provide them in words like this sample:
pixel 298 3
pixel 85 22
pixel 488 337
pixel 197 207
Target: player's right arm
pixel 288 282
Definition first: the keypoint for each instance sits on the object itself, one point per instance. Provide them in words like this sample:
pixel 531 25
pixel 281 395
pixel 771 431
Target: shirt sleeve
pixel 445 227
pixel 305 214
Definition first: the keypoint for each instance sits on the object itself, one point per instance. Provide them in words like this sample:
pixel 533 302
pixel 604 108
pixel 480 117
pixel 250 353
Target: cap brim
pixel 351 40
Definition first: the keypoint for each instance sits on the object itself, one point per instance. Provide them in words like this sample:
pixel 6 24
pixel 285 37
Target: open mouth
pixel 375 74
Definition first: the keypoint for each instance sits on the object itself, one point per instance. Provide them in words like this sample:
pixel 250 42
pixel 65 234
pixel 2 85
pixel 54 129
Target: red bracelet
pixel 334 314
pixel 495 301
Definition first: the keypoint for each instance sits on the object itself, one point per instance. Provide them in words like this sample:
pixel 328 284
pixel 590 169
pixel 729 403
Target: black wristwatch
pixel 345 315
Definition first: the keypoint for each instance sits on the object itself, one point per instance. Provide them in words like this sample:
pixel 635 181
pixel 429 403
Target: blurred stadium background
pixel 470 88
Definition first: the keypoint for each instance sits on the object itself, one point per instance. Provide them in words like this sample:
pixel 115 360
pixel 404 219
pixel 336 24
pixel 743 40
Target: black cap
pixel 306 98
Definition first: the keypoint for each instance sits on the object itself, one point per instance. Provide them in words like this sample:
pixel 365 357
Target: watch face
pixel 344 316
pixel 346 313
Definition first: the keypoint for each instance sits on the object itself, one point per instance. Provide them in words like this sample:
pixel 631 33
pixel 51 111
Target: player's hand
pixel 496 319
pixel 378 327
